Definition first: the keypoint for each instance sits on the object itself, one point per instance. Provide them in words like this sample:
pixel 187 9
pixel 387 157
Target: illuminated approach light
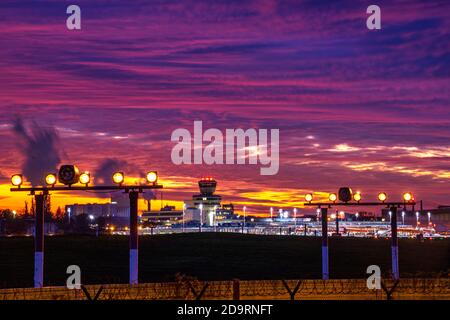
pixel 85 178
pixel 382 196
pixel 17 180
pixel 407 196
pixel 332 197
pixel 118 177
pixel 152 176
pixel 50 179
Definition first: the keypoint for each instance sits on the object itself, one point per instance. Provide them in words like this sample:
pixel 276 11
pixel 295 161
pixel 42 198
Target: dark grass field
pixel 210 256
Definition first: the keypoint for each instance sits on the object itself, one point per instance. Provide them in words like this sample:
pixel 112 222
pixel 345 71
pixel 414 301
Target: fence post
pixel 236 289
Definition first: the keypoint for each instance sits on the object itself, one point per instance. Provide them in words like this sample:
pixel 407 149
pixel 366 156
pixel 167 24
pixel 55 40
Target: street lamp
pixel 390 216
pixel 17 180
pixel 295 218
pixel 201 216
pixel 245 209
pixel 357 215
pixel 118 178
pixel 215 218
pixel 14 212
pixel 429 217
pixel 403 217
pixel 184 212
pixel 417 218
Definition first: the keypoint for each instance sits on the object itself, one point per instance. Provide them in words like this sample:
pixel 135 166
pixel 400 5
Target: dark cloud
pixel 41 149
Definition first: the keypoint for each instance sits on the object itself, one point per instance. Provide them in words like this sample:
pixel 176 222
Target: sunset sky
pixel 355 107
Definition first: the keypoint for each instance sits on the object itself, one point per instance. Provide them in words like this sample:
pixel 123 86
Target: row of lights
pixel 382 196
pixel 69 175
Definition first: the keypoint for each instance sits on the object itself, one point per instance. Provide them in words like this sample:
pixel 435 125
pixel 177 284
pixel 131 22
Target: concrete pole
pixel 395 271
pixel 325 273
pixel 134 253
pixel 39 241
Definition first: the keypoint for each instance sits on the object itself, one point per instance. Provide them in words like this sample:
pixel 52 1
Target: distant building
pixel 166 216
pixel 119 207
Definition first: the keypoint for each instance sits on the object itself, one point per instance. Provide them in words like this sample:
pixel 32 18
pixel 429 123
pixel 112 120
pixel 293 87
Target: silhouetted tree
pixel 59 215
pixel 26 213
pixel 48 216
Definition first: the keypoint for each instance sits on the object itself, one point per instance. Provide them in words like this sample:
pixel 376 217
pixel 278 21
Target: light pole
pixel 325 273
pixel 429 217
pixel 201 217
pixel 403 217
pixel 14 213
pixel 184 212
pixel 243 225
pixel 295 219
pixel 134 253
pixel 39 240
pixel 395 270
pixel 417 219
pixel 390 216
pixel 215 220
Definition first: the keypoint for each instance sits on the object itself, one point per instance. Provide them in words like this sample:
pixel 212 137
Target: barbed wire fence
pixel 189 288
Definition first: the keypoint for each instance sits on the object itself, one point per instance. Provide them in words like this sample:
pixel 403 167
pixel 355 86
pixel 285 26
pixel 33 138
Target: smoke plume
pixel 41 148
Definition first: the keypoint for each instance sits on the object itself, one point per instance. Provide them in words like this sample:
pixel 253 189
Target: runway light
pixel 345 194
pixel 85 178
pixel 308 197
pixel 68 174
pixel 357 196
pixel 118 177
pixel 152 176
pixel 332 197
pixel 50 179
pixel 17 180
pixel 407 196
pixel 382 196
